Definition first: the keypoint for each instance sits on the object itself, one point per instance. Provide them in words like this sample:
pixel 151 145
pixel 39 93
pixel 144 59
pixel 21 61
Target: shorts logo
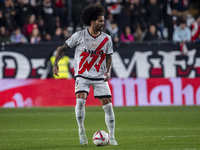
pixel 76 84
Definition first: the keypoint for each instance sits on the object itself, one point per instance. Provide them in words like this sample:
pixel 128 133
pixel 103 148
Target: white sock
pixel 110 119
pixel 80 113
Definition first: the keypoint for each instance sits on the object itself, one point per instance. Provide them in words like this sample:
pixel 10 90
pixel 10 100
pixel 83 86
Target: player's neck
pixel 93 32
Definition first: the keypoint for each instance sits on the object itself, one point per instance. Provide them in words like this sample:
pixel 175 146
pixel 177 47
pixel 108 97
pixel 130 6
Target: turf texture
pixel 137 128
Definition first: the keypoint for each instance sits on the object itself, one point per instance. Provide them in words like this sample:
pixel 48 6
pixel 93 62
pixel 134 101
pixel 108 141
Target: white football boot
pixel 112 141
pixel 83 138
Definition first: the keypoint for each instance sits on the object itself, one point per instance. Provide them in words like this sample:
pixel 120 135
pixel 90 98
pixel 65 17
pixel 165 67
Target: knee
pixel 105 101
pixel 81 95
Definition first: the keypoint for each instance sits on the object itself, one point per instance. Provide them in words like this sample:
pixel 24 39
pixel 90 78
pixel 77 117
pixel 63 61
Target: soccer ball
pixel 101 138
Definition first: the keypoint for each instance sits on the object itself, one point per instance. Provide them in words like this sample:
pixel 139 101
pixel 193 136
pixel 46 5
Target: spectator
pixel 58 34
pixel 48 37
pixel 9 13
pixel 70 30
pixel 23 10
pixel 195 29
pixel 30 25
pixel 60 9
pixel 48 15
pixel 151 34
pixel 182 33
pixel 124 17
pixel 2 19
pixel 109 19
pixel 65 33
pixel 68 4
pixel 18 37
pixel 126 36
pixel 4 36
pixel 138 23
pixel 126 12
pixel 181 7
pixel 77 6
pixel 35 36
pixel 166 7
pixel 41 26
pixel 113 31
pixel 169 19
pixel 35 6
pixel 190 19
pixel 153 13
pixel 114 8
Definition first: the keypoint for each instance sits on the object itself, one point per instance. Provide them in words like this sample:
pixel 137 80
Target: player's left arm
pixel 108 67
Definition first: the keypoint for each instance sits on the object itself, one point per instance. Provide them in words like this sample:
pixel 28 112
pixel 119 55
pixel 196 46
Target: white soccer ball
pixel 101 138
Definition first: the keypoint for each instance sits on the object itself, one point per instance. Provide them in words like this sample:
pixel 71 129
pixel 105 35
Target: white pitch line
pixel 159 129
pixel 181 136
pixel 74 129
pixel 42 130
pixel 23 139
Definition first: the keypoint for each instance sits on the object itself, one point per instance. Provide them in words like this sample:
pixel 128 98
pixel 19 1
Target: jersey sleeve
pixel 109 49
pixel 73 40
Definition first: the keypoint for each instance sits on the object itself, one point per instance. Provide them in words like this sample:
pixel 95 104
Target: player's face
pixel 99 23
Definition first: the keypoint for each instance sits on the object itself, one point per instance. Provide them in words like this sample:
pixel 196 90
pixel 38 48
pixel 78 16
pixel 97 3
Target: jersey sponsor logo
pixel 100 52
pixel 85 65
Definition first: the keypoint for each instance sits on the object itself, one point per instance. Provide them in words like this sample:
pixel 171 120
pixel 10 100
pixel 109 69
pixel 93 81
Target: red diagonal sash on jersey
pixel 87 65
pixel 102 44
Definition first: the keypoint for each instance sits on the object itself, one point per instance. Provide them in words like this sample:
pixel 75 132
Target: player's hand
pixel 55 69
pixel 107 76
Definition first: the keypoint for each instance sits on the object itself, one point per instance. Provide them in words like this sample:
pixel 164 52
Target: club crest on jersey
pixel 94 46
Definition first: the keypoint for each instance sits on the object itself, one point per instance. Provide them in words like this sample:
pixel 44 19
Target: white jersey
pixel 90 54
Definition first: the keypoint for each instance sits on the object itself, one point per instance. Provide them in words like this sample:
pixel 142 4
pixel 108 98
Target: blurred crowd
pixel 34 21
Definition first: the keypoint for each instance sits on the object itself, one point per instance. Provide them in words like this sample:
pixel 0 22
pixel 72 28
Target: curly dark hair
pixel 91 13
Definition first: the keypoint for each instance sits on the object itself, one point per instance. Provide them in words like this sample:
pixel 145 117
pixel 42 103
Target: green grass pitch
pixel 137 128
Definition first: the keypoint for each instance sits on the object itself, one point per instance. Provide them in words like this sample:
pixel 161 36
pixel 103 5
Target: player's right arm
pixel 60 52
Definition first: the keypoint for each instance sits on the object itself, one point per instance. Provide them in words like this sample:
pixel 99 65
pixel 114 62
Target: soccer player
pixel 92 67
